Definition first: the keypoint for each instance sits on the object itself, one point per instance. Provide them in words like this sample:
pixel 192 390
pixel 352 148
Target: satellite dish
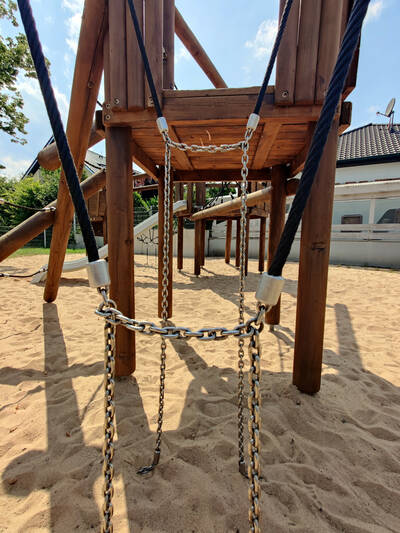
pixel 390 106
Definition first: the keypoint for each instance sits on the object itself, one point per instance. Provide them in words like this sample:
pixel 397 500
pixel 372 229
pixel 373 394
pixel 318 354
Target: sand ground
pixel 330 462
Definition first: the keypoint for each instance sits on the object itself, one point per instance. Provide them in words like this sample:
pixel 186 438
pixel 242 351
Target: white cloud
pixel 374 10
pixel 14 167
pixel 63 104
pixel 263 42
pixel 181 54
pixel 372 109
pixel 30 87
pixel 73 23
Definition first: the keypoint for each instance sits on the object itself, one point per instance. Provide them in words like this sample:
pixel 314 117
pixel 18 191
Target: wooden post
pixel 154 45
pixel 246 247
pixel 85 89
pixel 228 240
pixel 118 82
pixel 261 245
pixel 276 224
pixel 180 243
pixel 161 214
pixel 203 243
pixel 168 44
pixel 197 247
pixel 313 272
pixel 134 62
pixel 237 247
pixel 120 240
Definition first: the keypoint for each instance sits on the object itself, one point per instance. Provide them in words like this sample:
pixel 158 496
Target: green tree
pixel 15 58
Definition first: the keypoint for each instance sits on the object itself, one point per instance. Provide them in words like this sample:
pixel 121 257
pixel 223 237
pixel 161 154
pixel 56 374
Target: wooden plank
pixel 48 157
pixel 329 41
pixel 228 240
pixel 307 51
pixel 85 89
pixel 261 244
pixel 276 224
pixel 34 225
pixel 267 139
pixel 313 272
pixel 153 19
pixel 297 163
pixel 121 241
pixel 193 176
pixel 205 108
pixel 345 117
pixel 180 243
pixel 286 58
pixel 197 247
pixel 117 59
pixel 191 43
pixel 140 157
pixel 134 62
pixel 181 157
pixel 169 45
pixel 203 243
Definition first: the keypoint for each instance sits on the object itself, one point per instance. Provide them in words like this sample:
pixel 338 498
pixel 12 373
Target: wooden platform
pixel 216 116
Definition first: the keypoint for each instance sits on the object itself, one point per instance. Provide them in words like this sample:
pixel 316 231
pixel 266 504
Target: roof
pixel 373 143
pixel 94 161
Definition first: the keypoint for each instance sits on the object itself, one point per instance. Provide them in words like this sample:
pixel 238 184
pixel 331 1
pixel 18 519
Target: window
pixel 391 216
pixel 352 219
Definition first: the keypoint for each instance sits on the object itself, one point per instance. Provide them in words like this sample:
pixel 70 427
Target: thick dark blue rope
pixel 335 89
pixel 145 59
pixel 58 129
pixel 278 38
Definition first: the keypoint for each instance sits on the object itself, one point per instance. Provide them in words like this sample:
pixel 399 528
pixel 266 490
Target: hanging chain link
pixel 254 431
pixel 109 427
pixel 249 329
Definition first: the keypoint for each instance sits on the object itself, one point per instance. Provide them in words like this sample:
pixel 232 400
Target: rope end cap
pixel 253 121
pixel 269 289
pixel 162 125
pixel 98 273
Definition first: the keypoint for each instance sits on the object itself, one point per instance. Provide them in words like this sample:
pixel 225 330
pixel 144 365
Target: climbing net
pixel 270 285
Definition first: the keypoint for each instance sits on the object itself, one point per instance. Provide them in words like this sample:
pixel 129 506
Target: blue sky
pixel 237 35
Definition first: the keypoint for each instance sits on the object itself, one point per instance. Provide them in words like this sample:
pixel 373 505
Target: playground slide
pixel 79 264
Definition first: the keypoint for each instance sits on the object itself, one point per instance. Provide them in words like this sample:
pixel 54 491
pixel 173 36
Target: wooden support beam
pixel 121 241
pixel 140 157
pixel 307 51
pixel 237 247
pixel 313 272
pixel 276 224
pixel 286 59
pixel 214 106
pixel 161 224
pixel 328 46
pixel 168 45
pixel 197 247
pixel 181 157
pixel 85 89
pixel 153 36
pixel 180 243
pixel 297 163
pixel 261 245
pixel 32 226
pixel 253 198
pixel 48 157
pixel 267 139
pixel 190 41
pixel 117 75
pixel 203 243
pixel 206 175
pixel 228 240
pixel 134 63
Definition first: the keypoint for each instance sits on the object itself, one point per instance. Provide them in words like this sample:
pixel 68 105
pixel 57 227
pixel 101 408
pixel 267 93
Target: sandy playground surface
pixel 330 462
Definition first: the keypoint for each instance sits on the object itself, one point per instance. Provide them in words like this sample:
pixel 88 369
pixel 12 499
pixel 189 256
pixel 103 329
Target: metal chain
pixel 109 428
pixel 242 265
pixel 254 430
pixel 164 308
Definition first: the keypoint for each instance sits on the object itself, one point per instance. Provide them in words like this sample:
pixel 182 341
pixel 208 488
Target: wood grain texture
pixel 313 272
pixel 169 45
pixel 117 59
pixel 228 240
pixel 134 63
pixel 153 18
